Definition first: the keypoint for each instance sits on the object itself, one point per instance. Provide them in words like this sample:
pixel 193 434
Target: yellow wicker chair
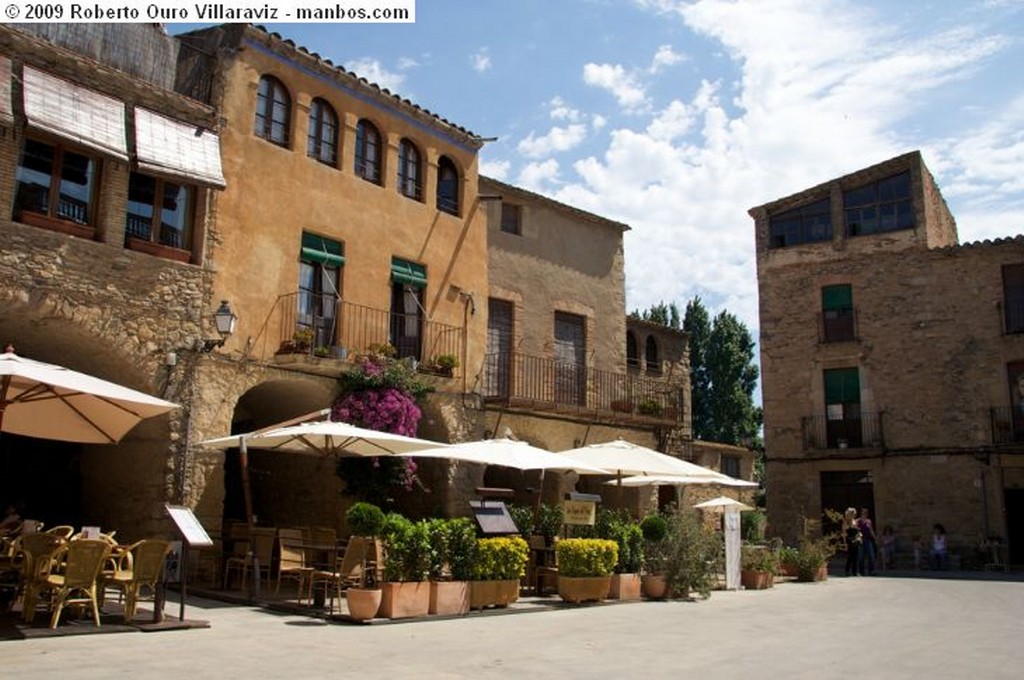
pixel 141 567
pixel 34 553
pixel 79 568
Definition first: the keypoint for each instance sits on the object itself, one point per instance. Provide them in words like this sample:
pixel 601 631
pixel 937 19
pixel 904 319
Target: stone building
pixel 889 358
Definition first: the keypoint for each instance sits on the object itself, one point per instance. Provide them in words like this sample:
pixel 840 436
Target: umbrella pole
pixel 243 462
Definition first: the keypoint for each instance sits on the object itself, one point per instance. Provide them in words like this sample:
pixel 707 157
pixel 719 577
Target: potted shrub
pixel 302 339
pixel 758 566
pixel 522 515
pixel 812 556
pixel 407 551
pixel 692 555
pixel 618 526
pixel 585 567
pixel 550 520
pixel 365 522
pixel 788 560
pixel 497 566
pixel 654 528
pixel 453 542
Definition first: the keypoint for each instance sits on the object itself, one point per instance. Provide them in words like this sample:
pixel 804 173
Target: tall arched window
pixel 368 152
pixel 447 186
pixel 632 354
pixel 273 111
pixel 322 140
pixel 651 355
pixel 410 181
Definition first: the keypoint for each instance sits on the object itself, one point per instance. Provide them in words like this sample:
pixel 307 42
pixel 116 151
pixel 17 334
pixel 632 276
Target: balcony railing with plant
pixel 864 431
pixel 327 326
pixel 517 378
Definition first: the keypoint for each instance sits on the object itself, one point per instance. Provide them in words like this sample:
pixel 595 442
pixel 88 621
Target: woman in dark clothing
pixel 852 537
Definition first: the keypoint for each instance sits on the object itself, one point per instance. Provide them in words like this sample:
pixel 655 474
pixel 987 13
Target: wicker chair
pixel 141 567
pixel 77 571
pixel 291 562
pixel 34 553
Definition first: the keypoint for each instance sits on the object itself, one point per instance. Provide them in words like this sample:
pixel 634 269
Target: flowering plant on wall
pixel 380 393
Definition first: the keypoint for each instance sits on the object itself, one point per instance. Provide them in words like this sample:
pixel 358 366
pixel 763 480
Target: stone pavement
pixel 880 627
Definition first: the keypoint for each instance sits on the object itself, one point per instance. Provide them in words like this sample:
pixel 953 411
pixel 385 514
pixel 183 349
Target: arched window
pixel 410 181
pixel 368 152
pixel 447 186
pixel 651 355
pixel 273 111
pixel 322 140
pixel 632 355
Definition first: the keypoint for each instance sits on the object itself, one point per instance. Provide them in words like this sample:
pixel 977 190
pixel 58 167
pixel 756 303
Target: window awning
pixel 75 113
pixel 6 117
pixel 316 248
pixel 408 273
pixel 169 147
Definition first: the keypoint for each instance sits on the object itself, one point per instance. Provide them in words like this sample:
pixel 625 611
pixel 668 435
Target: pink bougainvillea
pixel 384 410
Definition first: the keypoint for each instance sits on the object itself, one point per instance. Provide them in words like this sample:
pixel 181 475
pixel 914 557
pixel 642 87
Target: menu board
pixel 189 526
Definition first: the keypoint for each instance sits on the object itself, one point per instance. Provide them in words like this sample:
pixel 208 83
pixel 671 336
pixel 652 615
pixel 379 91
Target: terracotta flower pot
pixel 583 588
pixel 405 600
pixel 449 598
pixel 756 580
pixel 654 586
pixel 625 587
pixel 363 603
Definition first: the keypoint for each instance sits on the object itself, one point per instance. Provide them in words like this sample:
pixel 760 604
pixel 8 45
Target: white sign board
pixel 189 526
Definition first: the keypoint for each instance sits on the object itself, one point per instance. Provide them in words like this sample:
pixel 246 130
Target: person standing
pixel 866 563
pixel 938 553
pixel 852 537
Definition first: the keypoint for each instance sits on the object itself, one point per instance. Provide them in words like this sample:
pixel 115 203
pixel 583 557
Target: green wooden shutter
pixel 836 297
pixel 842 386
pixel 408 273
pixel 316 248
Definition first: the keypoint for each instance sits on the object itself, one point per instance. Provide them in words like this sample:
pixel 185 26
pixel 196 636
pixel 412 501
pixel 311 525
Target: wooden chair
pixel 142 567
pixel 238 537
pixel 261 541
pixel 33 554
pixel 77 568
pixel 291 561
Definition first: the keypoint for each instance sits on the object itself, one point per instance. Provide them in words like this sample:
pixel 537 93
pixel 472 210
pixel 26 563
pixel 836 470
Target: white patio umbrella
pixel 624 458
pixel 52 402
pixel 684 480
pixel 721 504
pixel 510 453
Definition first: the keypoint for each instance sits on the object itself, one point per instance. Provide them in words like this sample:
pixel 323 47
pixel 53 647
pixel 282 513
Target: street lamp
pixel 224 319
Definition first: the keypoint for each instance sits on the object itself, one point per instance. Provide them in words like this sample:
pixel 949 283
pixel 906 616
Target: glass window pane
pixel 75 188
pixel 175 216
pixel 141 196
pixel 34 177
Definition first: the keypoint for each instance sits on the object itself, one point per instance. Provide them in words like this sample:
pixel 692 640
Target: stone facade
pixel 922 335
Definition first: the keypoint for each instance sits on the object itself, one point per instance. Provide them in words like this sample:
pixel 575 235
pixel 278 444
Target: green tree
pixel 661 313
pixel 697 323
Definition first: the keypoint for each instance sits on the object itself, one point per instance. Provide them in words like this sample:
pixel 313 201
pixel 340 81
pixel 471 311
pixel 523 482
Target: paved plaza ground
pixel 957 626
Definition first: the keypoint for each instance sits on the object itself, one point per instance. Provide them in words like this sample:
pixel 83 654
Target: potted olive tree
pixel 585 567
pixel 759 565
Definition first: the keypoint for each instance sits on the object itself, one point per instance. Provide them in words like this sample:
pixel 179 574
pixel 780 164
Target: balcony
pixel 820 432
pixel 1007 425
pixel 521 380
pixel 326 326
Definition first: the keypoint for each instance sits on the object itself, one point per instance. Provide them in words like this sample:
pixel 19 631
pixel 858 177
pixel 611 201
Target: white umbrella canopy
pixel 510 453
pixel 722 503
pixel 326 438
pixel 621 457
pixel 684 480
pixel 47 401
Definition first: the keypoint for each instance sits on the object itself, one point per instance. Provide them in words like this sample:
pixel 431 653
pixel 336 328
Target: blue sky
pixel 676 117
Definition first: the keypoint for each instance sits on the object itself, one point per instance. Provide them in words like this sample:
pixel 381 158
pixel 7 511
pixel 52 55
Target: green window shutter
pixel 842 386
pixel 408 273
pixel 316 248
pixel 836 297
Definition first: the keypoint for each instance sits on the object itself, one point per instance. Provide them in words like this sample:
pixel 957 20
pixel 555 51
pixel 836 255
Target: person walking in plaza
pixel 852 537
pixel 866 562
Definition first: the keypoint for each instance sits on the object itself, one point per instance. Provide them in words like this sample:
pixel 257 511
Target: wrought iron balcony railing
pixel 821 432
pixel 1007 424
pixel 325 325
pixel 520 378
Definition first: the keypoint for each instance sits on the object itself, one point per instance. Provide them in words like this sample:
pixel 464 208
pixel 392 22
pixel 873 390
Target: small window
pixel 510 218
pixel 322 139
pixel 447 186
pixel 837 315
pixel 159 212
pixel 731 466
pixel 807 224
pixel 1013 298
pixel 368 152
pixel 410 181
pixel 54 182
pixel 273 111
pixel 632 354
pixel 879 207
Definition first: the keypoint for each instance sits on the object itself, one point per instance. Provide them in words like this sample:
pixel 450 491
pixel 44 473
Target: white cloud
pixel 481 61
pixel 665 56
pixel 597 121
pixel 557 139
pixel 535 176
pixel 406 63
pixel 562 111
pixel 496 169
pixel 615 79
pixel 375 72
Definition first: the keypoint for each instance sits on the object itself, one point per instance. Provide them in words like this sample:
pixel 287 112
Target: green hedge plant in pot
pixel 498 564
pixel 654 528
pixel 585 567
pixel 619 526
pixel 758 566
pixel 453 544
pixel 407 558
pixel 365 523
pixel 812 556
